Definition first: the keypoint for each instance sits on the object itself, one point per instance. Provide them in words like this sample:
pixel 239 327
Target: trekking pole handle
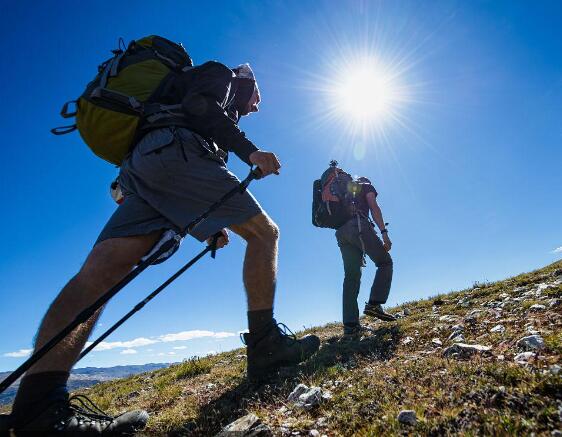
pixel 213 246
pixel 256 173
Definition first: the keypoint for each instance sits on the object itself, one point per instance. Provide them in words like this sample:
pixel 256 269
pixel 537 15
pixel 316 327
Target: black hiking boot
pixel 5 425
pixel 275 348
pixel 77 416
pixel 355 333
pixel 375 310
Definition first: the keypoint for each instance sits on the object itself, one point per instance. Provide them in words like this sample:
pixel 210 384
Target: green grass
pixel 372 380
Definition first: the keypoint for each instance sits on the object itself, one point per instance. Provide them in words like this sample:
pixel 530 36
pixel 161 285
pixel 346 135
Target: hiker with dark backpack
pixel 169 126
pixel 343 203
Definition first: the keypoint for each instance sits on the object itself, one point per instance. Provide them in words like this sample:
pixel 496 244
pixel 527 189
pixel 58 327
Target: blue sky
pixel 469 176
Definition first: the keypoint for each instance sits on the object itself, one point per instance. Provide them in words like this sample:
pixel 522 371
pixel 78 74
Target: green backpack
pixel 124 95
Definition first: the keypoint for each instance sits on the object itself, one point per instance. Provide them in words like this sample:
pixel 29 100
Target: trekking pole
pixel 88 312
pixel 210 248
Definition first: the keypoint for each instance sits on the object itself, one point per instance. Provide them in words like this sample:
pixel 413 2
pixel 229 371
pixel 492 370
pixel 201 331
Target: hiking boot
pixel 5 425
pixel 375 310
pixel 355 333
pixel 275 348
pixel 78 416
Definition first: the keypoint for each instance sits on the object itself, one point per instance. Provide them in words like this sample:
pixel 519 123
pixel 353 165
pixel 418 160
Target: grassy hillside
pixel 400 366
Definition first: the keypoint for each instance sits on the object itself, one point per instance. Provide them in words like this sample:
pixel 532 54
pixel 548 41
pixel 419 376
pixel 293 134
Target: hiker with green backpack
pixel 345 204
pixel 169 126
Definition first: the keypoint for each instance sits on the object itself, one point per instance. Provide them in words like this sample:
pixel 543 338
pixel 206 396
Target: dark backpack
pixel 331 200
pixel 124 94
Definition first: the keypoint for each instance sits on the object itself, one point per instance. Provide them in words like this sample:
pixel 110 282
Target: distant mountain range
pixel 88 376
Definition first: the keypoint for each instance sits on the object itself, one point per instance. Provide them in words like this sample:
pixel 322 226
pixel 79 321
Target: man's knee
pixel 385 261
pixel 259 228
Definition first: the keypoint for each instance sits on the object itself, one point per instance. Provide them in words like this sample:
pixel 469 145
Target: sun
pixel 365 93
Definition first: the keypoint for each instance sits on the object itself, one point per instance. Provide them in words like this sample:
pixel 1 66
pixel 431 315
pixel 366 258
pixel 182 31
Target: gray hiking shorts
pixel 169 179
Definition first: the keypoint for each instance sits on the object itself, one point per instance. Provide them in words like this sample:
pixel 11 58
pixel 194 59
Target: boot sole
pixel 382 317
pixel 267 373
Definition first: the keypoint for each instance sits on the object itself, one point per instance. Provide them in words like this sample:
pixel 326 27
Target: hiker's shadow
pixel 234 403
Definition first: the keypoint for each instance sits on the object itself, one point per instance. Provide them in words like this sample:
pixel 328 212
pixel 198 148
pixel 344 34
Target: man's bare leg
pixel 268 348
pixel 107 263
pixel 260 262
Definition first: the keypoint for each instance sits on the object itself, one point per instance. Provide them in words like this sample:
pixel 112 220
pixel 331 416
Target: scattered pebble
pixel 408 417
pixel 314 433
pixel 407 340
pixel 524 357
pixel 537 307
pixel 498 328
pixel 308 397
pixel 531 342
pixel 463 350
pixel 295 394
pixel 436 342
pixel 322 422
pixel 249 425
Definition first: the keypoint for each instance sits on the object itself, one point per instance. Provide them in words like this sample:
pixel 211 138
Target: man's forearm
pixel 377 218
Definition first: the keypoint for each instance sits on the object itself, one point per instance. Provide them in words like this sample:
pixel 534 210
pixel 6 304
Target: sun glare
pixel 365 94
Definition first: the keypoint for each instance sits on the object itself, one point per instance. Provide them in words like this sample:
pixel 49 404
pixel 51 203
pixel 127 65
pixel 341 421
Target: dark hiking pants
pixel 351 248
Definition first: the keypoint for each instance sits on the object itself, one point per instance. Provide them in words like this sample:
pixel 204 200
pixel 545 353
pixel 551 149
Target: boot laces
pixel 285 333
pixel 85 411
pixel 283 330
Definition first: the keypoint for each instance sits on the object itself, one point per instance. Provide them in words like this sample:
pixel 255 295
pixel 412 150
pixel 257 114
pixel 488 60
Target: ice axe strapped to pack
pixel 102 300
pixel 124 95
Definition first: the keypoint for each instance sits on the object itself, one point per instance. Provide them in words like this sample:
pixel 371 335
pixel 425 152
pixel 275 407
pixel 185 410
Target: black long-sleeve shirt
pixel 205 92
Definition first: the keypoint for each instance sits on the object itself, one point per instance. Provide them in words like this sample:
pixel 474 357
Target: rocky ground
pixel 482 361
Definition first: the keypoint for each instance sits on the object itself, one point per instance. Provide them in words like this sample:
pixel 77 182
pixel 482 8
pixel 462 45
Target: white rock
pixel 523 357
pixel 500 357
pixel 459 338
pixel 465 350
pixel 531 342
pixel 474 313
pixel 543 286
pixel 498 328
pixel 407 340
pixel 554 302
pixel 554 369
pixel 533 332
pixel 314 433
pixel 321 422
pixel 436 342
pixel 537 307
pixel 295 394
pixel 504 295
pixel 407 417
pixel 247 425
pixel 458 328
pixel 304 397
